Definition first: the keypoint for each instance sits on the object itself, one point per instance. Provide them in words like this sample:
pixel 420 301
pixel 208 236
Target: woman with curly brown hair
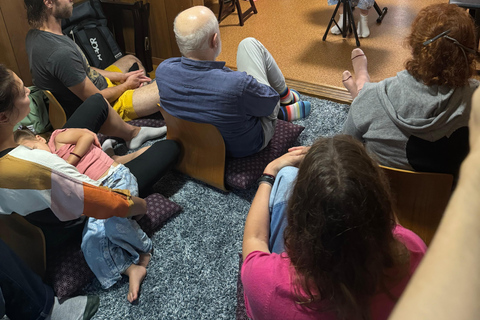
pixel 418 119
pixel 321 241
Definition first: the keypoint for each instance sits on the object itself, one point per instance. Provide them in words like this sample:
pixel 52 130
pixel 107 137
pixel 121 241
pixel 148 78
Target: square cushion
pixel 68 272
pixel 242 173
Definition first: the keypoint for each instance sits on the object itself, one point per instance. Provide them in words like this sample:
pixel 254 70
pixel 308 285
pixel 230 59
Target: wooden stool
pixel 202 155
pixel 225 10
pixel 419 199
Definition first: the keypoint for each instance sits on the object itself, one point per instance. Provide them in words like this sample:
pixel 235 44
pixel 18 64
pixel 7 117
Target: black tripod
pixel 348 21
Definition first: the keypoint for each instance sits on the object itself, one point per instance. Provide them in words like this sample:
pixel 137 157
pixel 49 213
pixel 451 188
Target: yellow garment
pixel 124 104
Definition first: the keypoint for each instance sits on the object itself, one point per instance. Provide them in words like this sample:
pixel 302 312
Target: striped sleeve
pixel 33 180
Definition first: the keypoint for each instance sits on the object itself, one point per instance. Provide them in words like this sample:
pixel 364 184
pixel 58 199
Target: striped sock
pixel 298 110
pixel 289 96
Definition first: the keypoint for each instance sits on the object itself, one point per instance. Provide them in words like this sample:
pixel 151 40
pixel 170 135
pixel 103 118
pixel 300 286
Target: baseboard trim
pixel 336 94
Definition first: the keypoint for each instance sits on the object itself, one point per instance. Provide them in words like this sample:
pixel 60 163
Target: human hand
pixel 293 157
pixel 303 148
pixel 131 73
pixel 136 79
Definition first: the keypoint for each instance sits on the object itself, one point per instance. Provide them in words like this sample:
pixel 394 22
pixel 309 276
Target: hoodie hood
pixel 429 112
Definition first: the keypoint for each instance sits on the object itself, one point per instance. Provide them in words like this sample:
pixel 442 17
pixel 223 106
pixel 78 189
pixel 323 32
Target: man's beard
pixel 64 12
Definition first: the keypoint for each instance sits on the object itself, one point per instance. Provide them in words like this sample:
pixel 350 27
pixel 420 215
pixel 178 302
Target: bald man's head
pixel 194 30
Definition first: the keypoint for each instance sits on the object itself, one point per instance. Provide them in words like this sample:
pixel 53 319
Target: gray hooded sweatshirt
pixel 408 125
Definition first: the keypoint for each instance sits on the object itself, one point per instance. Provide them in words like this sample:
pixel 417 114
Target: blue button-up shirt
pixel 209 92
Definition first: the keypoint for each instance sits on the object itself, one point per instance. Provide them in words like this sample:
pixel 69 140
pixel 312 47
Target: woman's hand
pixel 293 158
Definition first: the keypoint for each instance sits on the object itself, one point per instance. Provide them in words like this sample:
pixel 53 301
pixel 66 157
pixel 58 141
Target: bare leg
pixel 128 157
pixel 359 62
pixel 126 62
pixel 134 136
pixel 136 274
pixel 146 100
pixel 116 127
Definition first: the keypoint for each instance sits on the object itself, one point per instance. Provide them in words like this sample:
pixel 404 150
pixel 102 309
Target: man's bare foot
pixel 136 274
pixel 359 62
pixel 349 83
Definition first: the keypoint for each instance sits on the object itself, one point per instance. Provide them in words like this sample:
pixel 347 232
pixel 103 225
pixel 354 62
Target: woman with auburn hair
pixel 321 241
pixel 418 119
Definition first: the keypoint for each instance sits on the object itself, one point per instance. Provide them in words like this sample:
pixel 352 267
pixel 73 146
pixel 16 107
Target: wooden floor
pixel 292 31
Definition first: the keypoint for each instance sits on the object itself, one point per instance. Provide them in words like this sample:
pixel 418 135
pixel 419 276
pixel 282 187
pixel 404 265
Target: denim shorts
pixel 120 177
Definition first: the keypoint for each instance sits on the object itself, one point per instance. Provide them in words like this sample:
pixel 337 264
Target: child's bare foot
pixel 349 83
pixel 359 62
pixel 136 274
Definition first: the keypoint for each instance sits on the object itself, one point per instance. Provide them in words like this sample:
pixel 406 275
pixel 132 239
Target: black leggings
pixel 150 166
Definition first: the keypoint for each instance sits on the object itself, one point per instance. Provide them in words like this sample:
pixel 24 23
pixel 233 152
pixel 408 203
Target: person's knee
pixel 174 149
pixel 130 58
pixel 249 43
pixel 168 150
pixel 128 62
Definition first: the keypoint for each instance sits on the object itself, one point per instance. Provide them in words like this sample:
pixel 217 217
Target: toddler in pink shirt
pixel 80 148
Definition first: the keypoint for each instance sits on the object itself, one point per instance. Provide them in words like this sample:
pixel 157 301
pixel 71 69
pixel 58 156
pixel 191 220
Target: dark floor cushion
pixel 69 272
pixel 242 173
pixel 150 122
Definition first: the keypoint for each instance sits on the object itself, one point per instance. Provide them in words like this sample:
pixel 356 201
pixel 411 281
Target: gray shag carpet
pixel 193 271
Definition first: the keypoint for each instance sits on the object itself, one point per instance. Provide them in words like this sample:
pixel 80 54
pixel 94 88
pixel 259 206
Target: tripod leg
pixel 381 12
pixel 377 8
pixel 352 21
pixel 332 19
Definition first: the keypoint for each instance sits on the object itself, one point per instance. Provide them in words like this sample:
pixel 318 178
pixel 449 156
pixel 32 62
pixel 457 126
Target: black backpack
pixel 88 28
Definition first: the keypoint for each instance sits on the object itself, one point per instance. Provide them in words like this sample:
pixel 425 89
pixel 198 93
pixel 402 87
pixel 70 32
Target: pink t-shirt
pixel 268 285
pixel 93 164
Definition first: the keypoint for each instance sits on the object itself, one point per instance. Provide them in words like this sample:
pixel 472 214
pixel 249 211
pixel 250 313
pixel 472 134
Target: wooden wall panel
pixel 7 56
pixel 173 8
pixel 159 35
pixel 15 19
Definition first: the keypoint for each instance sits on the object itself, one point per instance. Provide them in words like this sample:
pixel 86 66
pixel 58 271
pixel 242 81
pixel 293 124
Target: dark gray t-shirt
pixel 56 63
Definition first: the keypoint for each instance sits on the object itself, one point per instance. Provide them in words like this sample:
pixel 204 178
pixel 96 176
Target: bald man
pixel 242 104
